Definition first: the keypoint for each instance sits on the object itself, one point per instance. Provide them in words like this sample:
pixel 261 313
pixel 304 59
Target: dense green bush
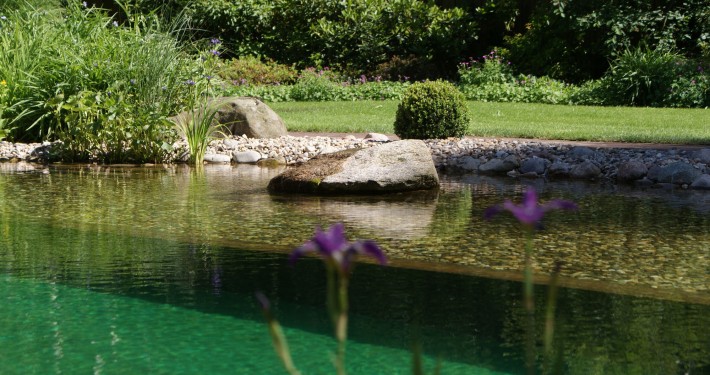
pixel 251 70
pixel 322 85
pixel 491 79
pixel 105 91
pixel 576 40
pixel 352 36
pixel 655 78
pixel 431 110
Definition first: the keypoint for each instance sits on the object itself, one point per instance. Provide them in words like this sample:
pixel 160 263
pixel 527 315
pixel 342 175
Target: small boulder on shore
pixel 391 167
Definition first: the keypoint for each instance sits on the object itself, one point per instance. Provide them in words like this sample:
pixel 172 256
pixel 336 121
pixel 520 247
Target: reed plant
pixel 198 127
pixel 104 89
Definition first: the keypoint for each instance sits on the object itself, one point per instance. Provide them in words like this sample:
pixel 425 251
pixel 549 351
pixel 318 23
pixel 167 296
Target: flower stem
pixel 529 302
pixel 341 324
pixel 550 315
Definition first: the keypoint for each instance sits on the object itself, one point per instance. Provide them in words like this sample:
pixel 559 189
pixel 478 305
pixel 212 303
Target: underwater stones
pixel 390 167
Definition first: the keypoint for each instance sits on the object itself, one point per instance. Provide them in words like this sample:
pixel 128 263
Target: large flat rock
pixel 390 167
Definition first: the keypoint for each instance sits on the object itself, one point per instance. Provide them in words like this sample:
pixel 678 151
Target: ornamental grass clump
pixel 431 110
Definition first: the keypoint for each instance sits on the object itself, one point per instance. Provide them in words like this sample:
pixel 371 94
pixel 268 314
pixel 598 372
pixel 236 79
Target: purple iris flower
pixel 335 249
pixel 529 212
pixel 215 41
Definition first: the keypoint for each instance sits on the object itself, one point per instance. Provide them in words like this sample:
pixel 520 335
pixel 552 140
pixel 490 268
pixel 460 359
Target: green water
pixel 120 271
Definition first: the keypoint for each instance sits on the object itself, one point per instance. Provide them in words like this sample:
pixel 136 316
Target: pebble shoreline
pixel 685 168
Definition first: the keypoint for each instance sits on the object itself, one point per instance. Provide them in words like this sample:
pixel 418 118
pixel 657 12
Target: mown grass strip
pixel 520 120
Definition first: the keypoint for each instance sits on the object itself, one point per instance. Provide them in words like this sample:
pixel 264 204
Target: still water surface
pixel 152 270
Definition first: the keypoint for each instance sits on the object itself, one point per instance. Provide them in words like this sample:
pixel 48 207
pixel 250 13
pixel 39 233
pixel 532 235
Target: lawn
pixel 523 120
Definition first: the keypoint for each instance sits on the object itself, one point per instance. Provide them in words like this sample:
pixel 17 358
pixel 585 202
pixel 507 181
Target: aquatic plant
pixel 530 214
pixel 198 128
pixel 338 255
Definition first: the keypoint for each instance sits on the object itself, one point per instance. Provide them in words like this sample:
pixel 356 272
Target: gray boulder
pixel 251 117
pixel 585 170
pixel 581 153
pixel 701 183
pixel 631 170
pixel 534 165
pixel 559 169
pixel 469 163
pixel 390 167
pixel 243 116
pixel 675 173
pixel 498 166
pixel 703 155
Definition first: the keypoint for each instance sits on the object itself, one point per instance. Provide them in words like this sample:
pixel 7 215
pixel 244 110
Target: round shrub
pixel 431 110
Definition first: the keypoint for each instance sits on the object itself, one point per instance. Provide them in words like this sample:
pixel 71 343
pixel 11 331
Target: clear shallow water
pixel 153 271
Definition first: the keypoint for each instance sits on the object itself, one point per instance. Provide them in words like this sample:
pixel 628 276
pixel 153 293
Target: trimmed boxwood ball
pixel 431 110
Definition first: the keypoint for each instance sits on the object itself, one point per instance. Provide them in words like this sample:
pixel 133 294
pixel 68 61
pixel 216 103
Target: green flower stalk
pixel 530 214
pixel 338 255
pixel 278 339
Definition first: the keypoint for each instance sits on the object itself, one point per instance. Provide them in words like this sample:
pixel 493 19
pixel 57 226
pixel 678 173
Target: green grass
pixel 519 120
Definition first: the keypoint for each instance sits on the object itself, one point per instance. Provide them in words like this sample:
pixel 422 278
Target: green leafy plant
pixel 199 128
pixel 316 85
pixel 251 70
pixel 642 76
pixel 432 109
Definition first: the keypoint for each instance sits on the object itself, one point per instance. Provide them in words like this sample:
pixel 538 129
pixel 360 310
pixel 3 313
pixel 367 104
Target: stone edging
pixel 663 167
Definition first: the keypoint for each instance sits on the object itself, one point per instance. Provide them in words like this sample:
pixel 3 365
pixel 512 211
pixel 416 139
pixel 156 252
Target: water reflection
pixel 388 215
pixel 640 242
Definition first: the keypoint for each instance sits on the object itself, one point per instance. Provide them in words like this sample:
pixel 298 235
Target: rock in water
pixel 391 167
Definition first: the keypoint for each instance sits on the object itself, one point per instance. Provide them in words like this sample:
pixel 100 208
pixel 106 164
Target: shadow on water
pixel 456 317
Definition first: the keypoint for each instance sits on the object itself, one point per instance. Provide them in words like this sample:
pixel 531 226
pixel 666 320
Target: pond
pixel 153 270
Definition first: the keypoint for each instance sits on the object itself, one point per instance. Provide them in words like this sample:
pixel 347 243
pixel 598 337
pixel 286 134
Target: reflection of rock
pixel 398 216
pixel 19 167
pixel 391 167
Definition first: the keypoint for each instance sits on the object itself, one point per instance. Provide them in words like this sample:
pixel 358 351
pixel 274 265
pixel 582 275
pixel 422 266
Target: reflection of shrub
pixel 431 110
pixel 251 70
